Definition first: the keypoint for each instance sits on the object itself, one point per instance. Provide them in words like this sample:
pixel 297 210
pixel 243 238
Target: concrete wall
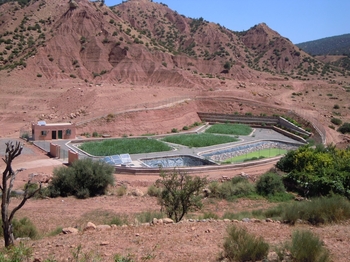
pixel 72 156
pixel 55 150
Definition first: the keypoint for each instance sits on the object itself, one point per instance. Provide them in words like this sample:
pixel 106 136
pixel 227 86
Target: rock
pixel 137 192
pixel 90 226
pixel 73 4
pixel 168 221
pixel 272 257
pixel 104 243
pixel 227 220
pixel 103 227
pixel 246 220
pixel 269 220
pixel 70 230
pixel 206 192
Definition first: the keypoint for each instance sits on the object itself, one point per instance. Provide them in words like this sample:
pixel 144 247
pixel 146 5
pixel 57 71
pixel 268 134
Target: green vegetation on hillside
pixel 335 45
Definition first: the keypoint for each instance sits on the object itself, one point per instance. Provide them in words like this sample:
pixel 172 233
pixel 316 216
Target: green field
pixel 263 153
pixel 230 129
pixel 124 146
pixel 199 140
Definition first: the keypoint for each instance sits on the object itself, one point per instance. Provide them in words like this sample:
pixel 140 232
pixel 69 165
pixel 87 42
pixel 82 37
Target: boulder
pixel 90 226
pixel 70 230
pixel 168 221
pixel 103 227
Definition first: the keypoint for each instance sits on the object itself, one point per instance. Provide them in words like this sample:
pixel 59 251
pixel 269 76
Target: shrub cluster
pixel 317 171
pixel 84 178
pixel 239 245
pixel 236 187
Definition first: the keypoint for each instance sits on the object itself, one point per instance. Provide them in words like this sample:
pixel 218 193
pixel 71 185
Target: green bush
pixel 270 184
pixel 22 228
pixel 318 211
pixel 119 220
pixel 306 247
pixel 154 191
pixel 84 178
pixel 180 193
pixel 345 128
pixel 239 245
pixel 16 254
pixel 147 216
pixel 336 121
pixel 318 171
pixel 229 190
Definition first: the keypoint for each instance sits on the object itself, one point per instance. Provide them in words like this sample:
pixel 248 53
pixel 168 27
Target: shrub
pixel 269 184
pixel 147 216
pixel 119 220
pixel 180 193
pixel 154 191
pixel 318 211
pixel 121 191
pixel 345 128
pixel 336 121
pixel 229 190
pixel 306 247
pixel 16 254
pixel 83 179
pixel 239 245
pixel 336 106
pixel 22 228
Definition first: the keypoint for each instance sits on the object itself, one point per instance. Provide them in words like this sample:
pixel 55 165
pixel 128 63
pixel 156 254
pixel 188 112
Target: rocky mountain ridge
pixel 139 41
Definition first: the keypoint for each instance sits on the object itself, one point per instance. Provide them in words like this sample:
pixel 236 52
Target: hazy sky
pixel 298 20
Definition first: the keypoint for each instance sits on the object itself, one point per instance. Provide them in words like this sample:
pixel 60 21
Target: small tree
pixel 180 194
pixel 8 178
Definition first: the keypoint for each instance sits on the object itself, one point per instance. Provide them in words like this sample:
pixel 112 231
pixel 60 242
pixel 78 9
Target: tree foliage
pixel 270 184
pixel 317 171
pixel 180 194
pixel 84 178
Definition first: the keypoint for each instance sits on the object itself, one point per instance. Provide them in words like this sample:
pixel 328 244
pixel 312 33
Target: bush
pixel 336 121
pixel 239 245
pixel 180 193
pixel 345 128
pixel 270 184
pixel 16 254
pixel 119 220
pixel 83 179
pixel 306 247
pixel 147 216
pixel 154 191
pixel 318 211
pixel 229 190
pixel 22 228
pixel 121 191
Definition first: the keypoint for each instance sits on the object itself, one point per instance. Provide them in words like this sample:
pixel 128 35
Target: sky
pixel 298 20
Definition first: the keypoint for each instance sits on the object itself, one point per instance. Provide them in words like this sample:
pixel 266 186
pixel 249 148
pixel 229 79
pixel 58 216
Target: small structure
pixel 44 131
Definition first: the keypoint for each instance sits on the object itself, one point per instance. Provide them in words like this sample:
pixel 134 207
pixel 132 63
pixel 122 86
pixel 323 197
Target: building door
pixel 59 134
pixel 54 134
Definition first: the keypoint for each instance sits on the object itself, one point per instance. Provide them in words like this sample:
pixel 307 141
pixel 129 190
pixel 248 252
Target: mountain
pixel 139 41
pixel 335 45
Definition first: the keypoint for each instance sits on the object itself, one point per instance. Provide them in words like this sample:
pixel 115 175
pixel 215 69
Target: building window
pixel 44 133
pixel 68 132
